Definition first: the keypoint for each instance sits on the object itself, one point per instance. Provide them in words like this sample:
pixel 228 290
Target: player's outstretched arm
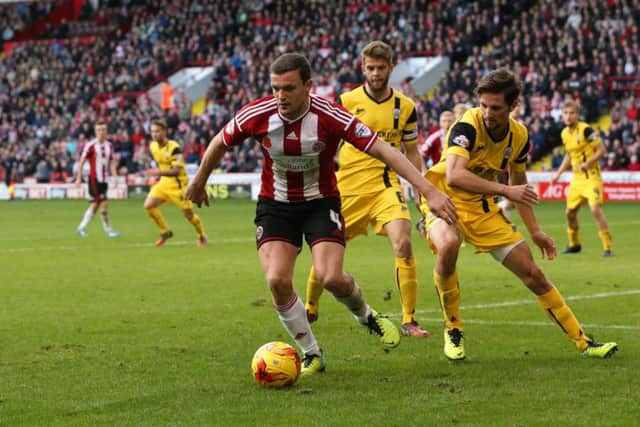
pixel 566 161
pixel 439 203
pixel 539 237
pixel 196 191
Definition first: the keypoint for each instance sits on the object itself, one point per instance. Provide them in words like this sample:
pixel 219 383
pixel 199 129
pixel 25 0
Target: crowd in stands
pixel 560 50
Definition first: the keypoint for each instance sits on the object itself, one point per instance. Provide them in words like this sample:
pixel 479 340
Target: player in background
pixel 479 146
pixel 431 148
pixel 459 109
pixel 584 150
pixel 299 135
pixel 371 192
pixel 173 181
pixel 99 153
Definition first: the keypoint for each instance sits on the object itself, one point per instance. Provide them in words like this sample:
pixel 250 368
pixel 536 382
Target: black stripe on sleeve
pixel 522 156
pixel 462 135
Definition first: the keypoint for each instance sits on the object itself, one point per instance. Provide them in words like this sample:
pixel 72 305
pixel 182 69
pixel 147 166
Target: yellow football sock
pixel 314 290
pixel 605 236
pixel 573 236
pixel 197 224
pixel 555 307
pixel 157 217
pixel 407 283
pixel 449 293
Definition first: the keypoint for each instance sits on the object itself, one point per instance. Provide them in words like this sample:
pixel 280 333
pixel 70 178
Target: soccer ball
pixel 275 365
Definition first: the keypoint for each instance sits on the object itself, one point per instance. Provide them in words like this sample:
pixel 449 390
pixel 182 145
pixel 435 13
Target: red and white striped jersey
pixel 99 156
pixel 298 154
pixel 432 147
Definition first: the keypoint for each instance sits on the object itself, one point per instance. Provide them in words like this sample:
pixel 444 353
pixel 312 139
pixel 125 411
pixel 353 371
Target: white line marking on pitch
pixel 531 301
pixel 127 245
pixel 527 323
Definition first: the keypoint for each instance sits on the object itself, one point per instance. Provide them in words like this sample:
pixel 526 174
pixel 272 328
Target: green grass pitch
pixel 117 332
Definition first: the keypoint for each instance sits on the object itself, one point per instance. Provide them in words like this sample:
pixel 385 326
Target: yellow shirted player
pixel 479 147
pixel 370 191
pixel 583 152
pixel 173 181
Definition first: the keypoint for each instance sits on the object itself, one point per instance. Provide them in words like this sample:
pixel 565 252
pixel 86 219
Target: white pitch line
pixel 531 301
pixel 527 323
pixel 127 245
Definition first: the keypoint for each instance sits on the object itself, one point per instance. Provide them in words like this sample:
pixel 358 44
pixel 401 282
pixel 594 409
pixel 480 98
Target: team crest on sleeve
pixel 462 141
pixel 362 130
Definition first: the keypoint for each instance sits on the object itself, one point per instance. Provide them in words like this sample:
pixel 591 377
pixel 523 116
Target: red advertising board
pixel 613 191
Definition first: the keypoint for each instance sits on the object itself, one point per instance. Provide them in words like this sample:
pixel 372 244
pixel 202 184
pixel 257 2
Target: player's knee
pixel 278 284
pixel 402 247
pixel 332 281
pixel 448 245
pixel 188 213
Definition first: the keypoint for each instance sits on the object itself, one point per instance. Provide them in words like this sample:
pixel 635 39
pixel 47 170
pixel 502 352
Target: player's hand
pixel 78 181
pixel 584 166
pixel 522 194
pixel 442 206
pixel 197 194
pixel 545 243
pixel 554 179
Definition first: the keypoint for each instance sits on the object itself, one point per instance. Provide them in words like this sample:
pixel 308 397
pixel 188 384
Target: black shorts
pixel 97 190
pixel 319 220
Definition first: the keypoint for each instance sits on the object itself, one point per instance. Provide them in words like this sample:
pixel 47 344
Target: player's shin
pixel 605 237
pixel 449 295
pixel 86 219
pixel 355 303
pixel 314 290
pixel 294 319
pixel 197 224
pixel 572 234
pixel 407 283
pixel 157 217
pixel 556 308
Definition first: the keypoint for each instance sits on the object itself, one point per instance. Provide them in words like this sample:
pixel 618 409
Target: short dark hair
pixel 500 81
pixel 100 123
pixel 160 123
pixel 377 50
pixel 290 62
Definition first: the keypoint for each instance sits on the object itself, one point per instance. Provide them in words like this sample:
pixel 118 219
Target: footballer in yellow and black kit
pixel 581 144
pixel 480 219
pixel 370 190
pixel 170 188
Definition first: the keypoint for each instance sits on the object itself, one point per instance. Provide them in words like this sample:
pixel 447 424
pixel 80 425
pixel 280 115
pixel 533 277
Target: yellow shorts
pixel 486 231
pixel 581 190
pixel 171 194
pixel 376 209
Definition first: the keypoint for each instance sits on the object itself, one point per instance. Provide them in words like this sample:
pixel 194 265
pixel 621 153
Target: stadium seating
pixel 52 90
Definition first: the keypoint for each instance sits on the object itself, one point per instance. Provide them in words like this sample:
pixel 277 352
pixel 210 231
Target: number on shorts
pixel 335 217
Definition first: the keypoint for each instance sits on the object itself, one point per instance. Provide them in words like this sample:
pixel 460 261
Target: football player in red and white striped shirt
pixel 99 153
pixel 299 134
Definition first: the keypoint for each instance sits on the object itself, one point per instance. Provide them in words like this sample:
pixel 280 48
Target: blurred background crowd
pixel 58 79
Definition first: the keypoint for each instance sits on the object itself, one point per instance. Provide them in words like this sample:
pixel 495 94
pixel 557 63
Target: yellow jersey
pixel 395 121
pixel 581 143
pixel 487 157
pixel 167 157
